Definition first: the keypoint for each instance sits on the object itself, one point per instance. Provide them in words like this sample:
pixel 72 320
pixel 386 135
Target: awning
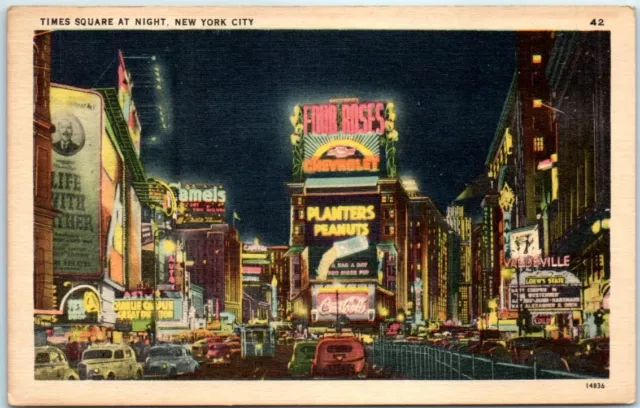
pixel 332 182
pixel 294 250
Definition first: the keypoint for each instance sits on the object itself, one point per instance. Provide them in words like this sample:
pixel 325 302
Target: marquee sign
pixel 546 290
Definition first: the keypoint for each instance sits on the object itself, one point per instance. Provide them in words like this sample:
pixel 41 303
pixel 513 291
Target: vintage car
pixel 219 353
pixel 338 356
pixel 301 359
pixel 199 350
pixel 109 362
pixel 170 361
pixel 52 364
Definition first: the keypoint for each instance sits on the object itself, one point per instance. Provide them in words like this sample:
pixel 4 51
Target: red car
pixel 219 353
pixel 338 356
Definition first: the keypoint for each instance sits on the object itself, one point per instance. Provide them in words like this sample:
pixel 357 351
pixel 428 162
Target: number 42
pixel 597 22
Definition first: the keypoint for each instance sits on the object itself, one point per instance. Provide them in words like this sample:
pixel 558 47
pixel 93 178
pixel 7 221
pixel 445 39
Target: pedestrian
pixel 73 353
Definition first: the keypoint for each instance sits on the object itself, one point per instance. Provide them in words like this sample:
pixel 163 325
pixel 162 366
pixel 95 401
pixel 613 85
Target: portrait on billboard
pixel 271 201
pixel 69 135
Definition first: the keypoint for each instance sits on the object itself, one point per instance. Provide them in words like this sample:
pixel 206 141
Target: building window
pixel 538 144
pixel 536 59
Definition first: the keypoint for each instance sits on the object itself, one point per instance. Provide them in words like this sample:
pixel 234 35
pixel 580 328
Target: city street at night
pixel 317 204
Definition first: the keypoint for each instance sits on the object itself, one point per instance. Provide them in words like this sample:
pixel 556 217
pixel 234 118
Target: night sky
pixel 228 96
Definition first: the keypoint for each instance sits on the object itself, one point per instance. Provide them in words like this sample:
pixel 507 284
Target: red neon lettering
pixel 370 116
pixel 347 121
pixel 363 124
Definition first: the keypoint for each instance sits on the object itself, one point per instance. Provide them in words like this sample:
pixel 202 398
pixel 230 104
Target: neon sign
pixel 341 213
pixel 366 117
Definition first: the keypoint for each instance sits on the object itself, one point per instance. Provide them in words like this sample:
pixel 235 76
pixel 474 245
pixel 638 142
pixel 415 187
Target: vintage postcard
pixel 327 205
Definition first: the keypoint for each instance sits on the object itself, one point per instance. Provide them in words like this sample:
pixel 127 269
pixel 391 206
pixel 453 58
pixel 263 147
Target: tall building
pixel 280 269
pixel 461 308
pixel 432 239
pixel 348 215
pixel 548 208
pixel 44 291
pixel 257 276
pixel 215 252
pixel 575 220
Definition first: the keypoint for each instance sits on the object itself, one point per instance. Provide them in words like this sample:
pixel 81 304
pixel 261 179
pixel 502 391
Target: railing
pixel 419 361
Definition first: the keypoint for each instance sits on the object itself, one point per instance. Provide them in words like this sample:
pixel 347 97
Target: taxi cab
pixel 52 364
pixel 109 362
pixel 199 350
pixel 338 356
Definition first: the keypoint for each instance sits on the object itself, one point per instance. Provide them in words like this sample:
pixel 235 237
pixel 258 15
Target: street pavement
pixel 274 368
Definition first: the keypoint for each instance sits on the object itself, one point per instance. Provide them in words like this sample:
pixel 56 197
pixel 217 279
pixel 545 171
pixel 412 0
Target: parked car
pixel 52 364
pixel 592 357
pixel 199 350
pixel 218 353
pixel 338 356
pixel 302 358
pixel 170 361
pixel 521 348
pixel 109 362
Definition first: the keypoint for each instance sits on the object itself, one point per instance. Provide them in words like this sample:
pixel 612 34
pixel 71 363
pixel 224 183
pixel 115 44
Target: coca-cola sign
pixel 354 305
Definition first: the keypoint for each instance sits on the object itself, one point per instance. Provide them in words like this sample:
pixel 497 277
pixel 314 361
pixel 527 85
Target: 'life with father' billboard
pixel 75 179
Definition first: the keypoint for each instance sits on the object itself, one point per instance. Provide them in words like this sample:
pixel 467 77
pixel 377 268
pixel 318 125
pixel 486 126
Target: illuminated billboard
pixel 330 218
pixel 344 137
pixel 199 203
pixel 77 116
pixel 341 234
pixel 356 302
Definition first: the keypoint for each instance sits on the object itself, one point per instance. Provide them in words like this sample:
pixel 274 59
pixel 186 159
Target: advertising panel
pixel 81 305
pixel 355 303
pixel 77 116
pixel 136 309
pixel 342 136
pixel 525 242
pixel 546 290
pixel 199 203
pixel 331 219
pixel 341 235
